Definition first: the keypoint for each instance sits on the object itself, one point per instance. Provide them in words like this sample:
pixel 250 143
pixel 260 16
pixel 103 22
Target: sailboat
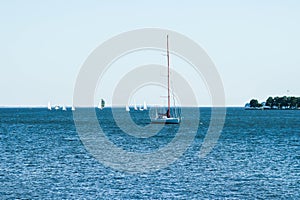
pixel 127 108
pixel 141 108
pixel 135 107
pixel 145 106
pixel 168 117
pixel 49 106
pixel 73 108
pixel 64 108
pixel 101 104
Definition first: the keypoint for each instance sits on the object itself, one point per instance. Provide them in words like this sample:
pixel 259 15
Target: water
pixel 257 156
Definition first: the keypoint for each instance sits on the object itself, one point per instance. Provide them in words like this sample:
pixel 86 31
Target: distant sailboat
pixel 56 107
pixel 141 108
pixel 145 106
pixel 73 108
pixel 135 108
pixel 127 108
pixel 49 106
pixel 101 104
pixel 64 108
pixel 167 118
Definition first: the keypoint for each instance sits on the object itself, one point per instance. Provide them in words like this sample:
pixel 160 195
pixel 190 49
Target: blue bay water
pixel 257 156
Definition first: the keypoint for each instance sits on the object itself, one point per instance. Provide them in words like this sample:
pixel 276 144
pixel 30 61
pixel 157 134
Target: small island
pixel 275 103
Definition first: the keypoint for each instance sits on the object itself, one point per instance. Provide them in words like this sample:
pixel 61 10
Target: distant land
pixel 276 103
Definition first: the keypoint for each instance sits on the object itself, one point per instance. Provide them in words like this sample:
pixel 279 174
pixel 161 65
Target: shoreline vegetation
pixel 275 103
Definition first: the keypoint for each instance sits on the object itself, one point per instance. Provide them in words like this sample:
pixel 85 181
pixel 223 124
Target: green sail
pixel 102 103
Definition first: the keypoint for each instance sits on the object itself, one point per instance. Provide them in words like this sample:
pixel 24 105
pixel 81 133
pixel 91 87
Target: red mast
pixel 168 112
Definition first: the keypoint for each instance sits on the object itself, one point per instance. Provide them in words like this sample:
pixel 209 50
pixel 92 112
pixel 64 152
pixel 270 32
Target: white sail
pixel 49 106
pixel 127 108
pixel 145 106
pixel 73 108
pixel 135 108
pixel 64 108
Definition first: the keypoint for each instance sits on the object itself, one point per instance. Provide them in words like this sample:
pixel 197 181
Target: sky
pixel 254 44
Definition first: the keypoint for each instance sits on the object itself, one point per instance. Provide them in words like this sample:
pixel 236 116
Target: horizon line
pixel 119 106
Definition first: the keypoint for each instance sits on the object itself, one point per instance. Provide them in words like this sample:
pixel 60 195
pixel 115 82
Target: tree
pixel 293 101
pixel 298 101
pixel 270 101
pixel 253 103
pixel 284 101
pixel 276 101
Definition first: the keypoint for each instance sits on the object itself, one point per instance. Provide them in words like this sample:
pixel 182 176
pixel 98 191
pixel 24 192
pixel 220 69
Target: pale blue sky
pixel 254 44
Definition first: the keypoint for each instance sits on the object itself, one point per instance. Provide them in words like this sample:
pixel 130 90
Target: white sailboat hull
pixel 171 120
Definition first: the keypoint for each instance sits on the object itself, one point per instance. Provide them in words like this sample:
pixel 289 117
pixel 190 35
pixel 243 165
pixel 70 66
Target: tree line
pixel 278 102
